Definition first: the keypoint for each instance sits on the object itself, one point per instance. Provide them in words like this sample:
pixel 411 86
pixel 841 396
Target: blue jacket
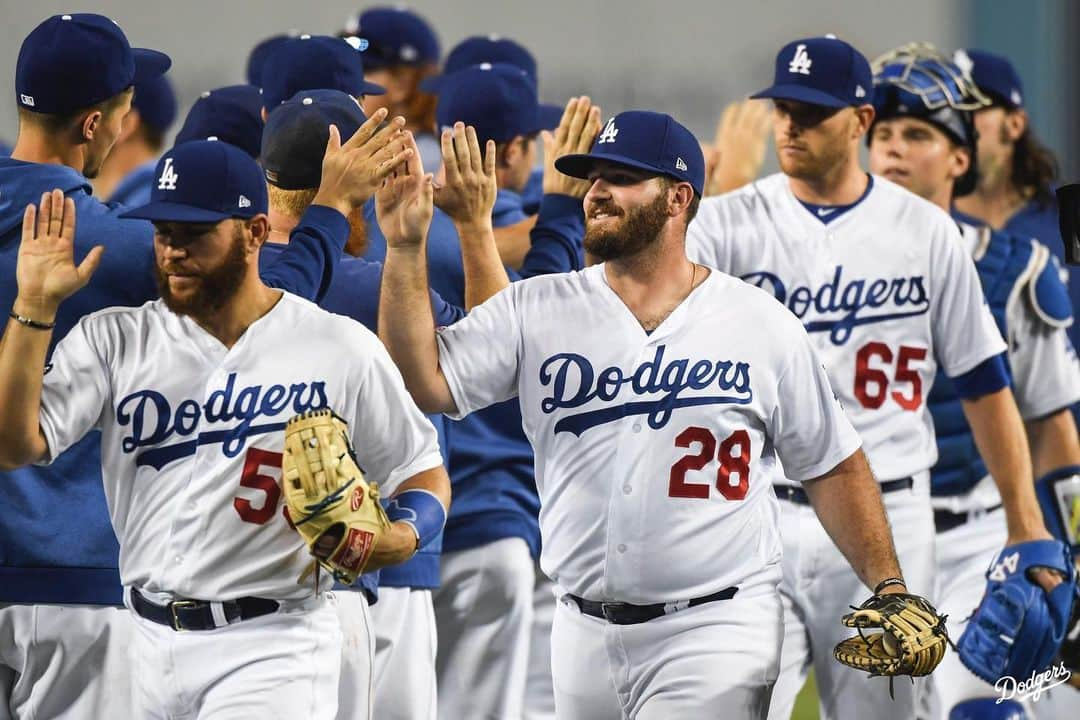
pixel 355 293
pixel 491 461
pixel 56 542
pixel 134 189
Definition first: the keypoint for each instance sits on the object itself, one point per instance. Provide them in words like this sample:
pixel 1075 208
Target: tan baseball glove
pixel 912 641
pixel 334 509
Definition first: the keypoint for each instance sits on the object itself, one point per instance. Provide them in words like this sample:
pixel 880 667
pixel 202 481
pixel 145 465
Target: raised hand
pixel 352 171
pixel 576 133
pixel 468 194
pixel 404 203
pixel 738 150
pixel 46 271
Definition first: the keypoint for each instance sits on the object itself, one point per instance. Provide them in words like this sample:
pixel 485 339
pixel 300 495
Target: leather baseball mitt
pixel 334 509
pixel 912 640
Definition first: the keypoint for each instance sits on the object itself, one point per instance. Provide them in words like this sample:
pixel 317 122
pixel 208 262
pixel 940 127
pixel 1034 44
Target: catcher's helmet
pixel 917 80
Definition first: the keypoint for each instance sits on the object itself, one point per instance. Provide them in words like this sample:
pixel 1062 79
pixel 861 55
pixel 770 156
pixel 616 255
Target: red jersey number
pixel 872 381
pixel 733 475
pixel 257 464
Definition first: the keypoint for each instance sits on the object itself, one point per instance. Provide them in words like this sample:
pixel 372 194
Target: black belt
pixel 798 496
pixel 945 520
pixel 197 614
pixel 619 613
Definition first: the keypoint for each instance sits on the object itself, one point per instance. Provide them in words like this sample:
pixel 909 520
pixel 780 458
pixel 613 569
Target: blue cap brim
pixel 370 88
pixel 150 64
pixel 174 212
pixel 581 164
pixel 550 116
pixel 801 93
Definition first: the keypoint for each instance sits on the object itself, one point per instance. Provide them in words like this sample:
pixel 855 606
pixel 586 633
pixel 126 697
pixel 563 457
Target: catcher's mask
pixel 918 81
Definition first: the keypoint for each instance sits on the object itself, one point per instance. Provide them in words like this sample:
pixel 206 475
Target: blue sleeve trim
pixel 444 313
pixel 987 377
pixel 316 244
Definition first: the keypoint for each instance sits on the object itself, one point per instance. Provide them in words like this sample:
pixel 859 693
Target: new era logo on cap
pixel 679 164
pixel 801 62
pixel 27 100
pixel 243 202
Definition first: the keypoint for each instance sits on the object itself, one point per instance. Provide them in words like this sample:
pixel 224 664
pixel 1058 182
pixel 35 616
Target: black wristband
pixel 887 582
pixel 31 323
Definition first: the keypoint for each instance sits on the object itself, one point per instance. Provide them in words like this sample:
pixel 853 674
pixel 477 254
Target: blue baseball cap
pixel 493 49
pixel 822 71
pixel 316 62
pixel 70 62
pixel 499 100
pixel 231 114
pixel 204 181
pixel 994 75
pixel 256 60
pixel 643 140
pixel 483 49
pixel 396 36
pixel 296 133
pixel 155 100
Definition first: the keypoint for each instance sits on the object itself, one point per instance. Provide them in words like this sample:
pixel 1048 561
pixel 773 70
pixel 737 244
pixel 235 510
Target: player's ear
pixel 864 118
pixel 90 124
pixel 961 162
pixel 680 198
pixel 259 229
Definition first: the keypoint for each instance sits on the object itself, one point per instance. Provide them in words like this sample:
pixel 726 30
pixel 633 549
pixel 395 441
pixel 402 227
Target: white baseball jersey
pixel 192 435
pixel 1044 366
pixel 654 451
pixel 885 290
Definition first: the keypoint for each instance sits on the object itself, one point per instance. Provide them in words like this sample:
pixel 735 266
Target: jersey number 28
pixel 733 477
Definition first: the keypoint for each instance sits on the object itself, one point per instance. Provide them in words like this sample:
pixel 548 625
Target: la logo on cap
pixel 168 178
pixel 609 134
pixel 801 62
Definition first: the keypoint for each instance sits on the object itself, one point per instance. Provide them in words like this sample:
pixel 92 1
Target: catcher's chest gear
pixel 334 509
pixel 912 640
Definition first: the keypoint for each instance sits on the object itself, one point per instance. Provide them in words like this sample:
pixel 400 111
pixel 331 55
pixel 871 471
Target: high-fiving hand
pixel 46 271
pixel 352 171
pixel 468 193
pixel 576 133
pixel 404 203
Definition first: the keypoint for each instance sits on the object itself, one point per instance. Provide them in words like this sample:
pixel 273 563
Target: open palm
pixel 404 204
pixel 46 270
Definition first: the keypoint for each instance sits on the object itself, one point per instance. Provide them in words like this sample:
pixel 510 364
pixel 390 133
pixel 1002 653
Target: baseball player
pixel 190 393
pixel 923 138
pixel 1016 172
pixel 404 619
pixel 128 171
pixel 231 114
pixel 402 51
pixel 879 279
pixel 63 630
pixel 485 603
pixel 657 431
